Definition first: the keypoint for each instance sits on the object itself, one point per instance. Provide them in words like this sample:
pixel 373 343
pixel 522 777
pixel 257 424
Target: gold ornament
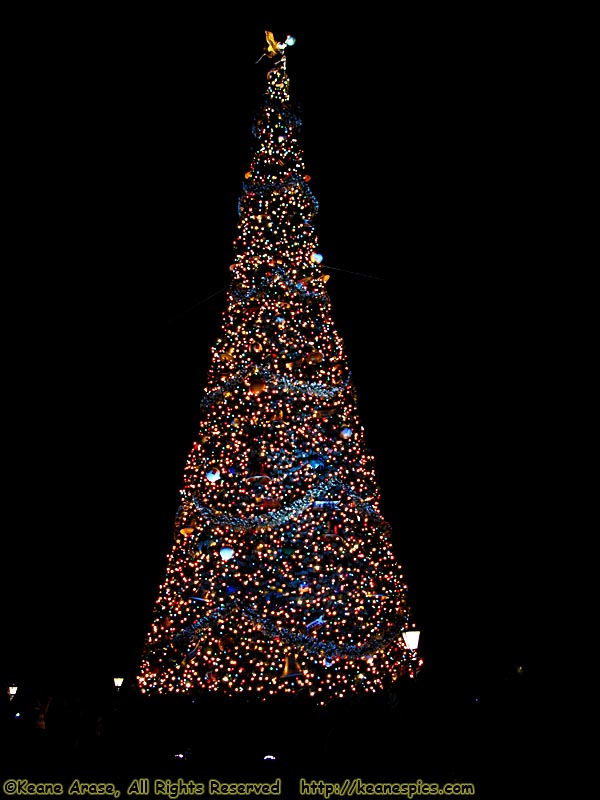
pixel 315 357
pixel 257 385
pixel 291 668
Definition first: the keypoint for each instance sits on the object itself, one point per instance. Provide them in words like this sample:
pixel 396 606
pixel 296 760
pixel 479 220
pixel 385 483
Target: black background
pixel 127 142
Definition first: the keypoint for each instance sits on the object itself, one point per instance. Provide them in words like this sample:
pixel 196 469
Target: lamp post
pixel 118 683
pixel 12 690
pixel 411 640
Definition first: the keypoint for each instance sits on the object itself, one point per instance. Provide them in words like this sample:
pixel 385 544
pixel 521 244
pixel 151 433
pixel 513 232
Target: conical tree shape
pixel 281 555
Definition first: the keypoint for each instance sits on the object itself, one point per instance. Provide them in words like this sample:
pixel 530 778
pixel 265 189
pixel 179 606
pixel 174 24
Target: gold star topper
pixel 275 48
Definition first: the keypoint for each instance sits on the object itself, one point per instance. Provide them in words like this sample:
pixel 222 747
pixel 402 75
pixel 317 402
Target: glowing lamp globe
pixel 411 639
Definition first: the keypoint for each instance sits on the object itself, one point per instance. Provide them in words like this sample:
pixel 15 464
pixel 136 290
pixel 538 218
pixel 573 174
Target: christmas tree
pixel 282 578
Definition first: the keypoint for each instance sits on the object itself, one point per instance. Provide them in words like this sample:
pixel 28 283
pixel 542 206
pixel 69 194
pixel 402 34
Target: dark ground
pixel 420 730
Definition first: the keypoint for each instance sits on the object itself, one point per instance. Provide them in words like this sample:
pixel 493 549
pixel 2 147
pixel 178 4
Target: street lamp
pixel 118 683
pixel 12 690
pixel 411 639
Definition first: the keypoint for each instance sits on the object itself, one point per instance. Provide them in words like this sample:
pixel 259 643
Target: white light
pixel 118 682
pixel 12 690
pixel 411 639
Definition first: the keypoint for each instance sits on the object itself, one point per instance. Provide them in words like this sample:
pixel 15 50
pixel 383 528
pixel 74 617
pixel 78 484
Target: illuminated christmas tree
pixel 282 578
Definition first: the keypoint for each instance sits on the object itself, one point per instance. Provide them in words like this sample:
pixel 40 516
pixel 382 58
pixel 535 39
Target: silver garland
pixel 284 515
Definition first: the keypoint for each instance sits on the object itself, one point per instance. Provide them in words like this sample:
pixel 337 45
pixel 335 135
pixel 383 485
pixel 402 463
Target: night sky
pixel 128 147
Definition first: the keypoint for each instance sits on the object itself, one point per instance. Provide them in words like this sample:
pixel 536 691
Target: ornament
pixel 201 597
pixel 316 258
pixel 324 413
pixel 291 667
pixel 187 530
pixel 205 544
pixel 260 480
pixel 257 385
pixel 226 553
pixel 332 531
pixel 269 502
pixel 325 503
pixel 225 643
pixel 314 358
pixel 213 475
pixel 346 433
